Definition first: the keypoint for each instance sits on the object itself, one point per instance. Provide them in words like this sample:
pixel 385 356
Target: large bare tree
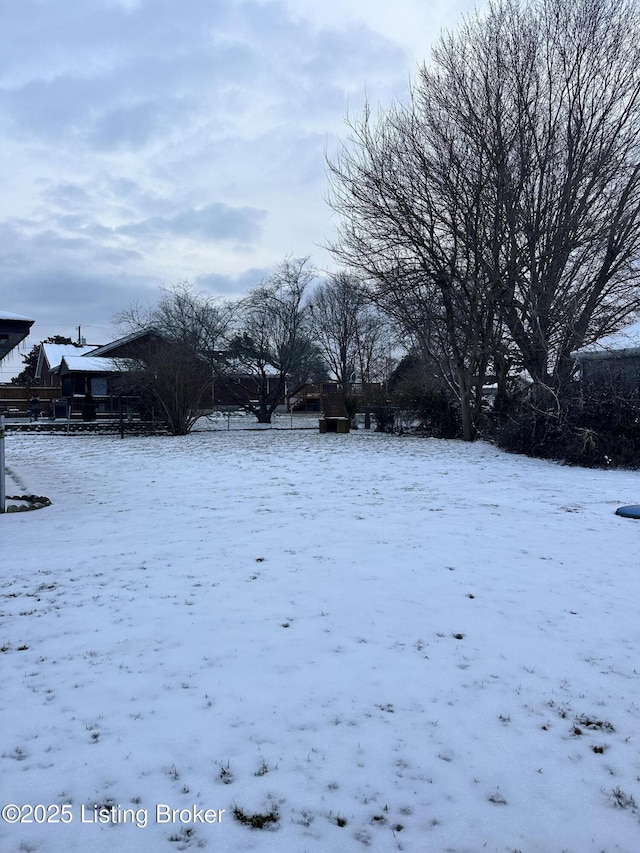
pixel 551 90
pixel 411 225
pixel 498 213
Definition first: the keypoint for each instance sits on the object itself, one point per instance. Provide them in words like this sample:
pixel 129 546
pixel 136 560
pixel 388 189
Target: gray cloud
pixel 61 298
pixel 231 285
pixel 144 138
pixel 66 195
pixel 29 258
pixel 134 125
pixel 92 71
pixel 215 221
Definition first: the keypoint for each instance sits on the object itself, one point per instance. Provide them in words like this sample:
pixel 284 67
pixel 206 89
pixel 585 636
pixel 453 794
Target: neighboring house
pixel 42 395
pixel 14 328
pixel 612 362
pixel 231 386
pixel 84 376
pixel 111 376
pixel 49 358
pixel 88 380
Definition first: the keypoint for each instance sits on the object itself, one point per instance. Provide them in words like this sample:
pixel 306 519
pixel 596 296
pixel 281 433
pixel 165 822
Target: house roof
pixel 92 364
pixel 622 344
pixel 6 315
pixel 134 336
pixel 13 329
pixel 53 354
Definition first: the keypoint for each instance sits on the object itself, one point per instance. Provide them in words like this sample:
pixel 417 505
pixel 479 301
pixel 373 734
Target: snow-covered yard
pixel 358 643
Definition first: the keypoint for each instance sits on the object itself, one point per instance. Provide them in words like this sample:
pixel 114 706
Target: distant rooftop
pixel 132 336
pixel 93 364
pixel 620 344
pixel 51 355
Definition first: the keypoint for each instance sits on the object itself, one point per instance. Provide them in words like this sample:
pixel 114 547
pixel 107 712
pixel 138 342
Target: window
pixel 99 386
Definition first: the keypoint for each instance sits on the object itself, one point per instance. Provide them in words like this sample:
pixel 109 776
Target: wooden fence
pixel 15 399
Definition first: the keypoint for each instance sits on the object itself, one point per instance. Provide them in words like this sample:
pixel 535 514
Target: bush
pixel 439 414
pixel 385 417
pixel 600 430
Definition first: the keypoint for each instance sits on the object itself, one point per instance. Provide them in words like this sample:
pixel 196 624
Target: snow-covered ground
pixel 361 643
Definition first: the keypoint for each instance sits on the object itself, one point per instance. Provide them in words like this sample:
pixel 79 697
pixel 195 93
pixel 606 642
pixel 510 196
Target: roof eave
pixel 602 355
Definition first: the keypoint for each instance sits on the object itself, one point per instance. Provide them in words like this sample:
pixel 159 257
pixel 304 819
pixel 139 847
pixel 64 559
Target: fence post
pixel 3 494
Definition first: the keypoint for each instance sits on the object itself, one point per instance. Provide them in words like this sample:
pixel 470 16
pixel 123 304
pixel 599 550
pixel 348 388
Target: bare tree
pixel 499 211
pixel 193 320
pixel 405 209
pixel 352 335
pixel 334 308
pixel 551 91
pixel 171 378
pixel 174 363
pixel 271 341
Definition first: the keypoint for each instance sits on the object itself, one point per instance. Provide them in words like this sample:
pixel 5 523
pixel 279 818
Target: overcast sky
pixel 148 142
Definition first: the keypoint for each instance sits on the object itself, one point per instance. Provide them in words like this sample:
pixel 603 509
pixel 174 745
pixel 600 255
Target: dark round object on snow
pixel 628 511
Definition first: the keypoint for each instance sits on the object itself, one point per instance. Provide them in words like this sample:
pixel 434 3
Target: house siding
pixel 623 374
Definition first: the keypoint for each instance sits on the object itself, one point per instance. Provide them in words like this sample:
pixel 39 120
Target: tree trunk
pixel 263 413
pixel 469 432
